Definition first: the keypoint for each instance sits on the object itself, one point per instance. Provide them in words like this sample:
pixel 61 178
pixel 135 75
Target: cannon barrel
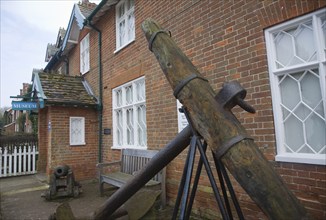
pixel 61 171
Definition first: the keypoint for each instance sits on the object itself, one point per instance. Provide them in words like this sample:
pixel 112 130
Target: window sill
pixel 129 147
pixel 83 73
pixel 124 46
pixel 302 158
pixel 79 144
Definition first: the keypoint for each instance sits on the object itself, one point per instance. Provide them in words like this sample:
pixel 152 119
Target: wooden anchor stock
pixel 212 118
pixel 220 129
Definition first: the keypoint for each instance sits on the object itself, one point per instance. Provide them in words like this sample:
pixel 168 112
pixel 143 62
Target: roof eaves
pixel 102 7
pixel 68 32
pixel 79 17
pixel 38 86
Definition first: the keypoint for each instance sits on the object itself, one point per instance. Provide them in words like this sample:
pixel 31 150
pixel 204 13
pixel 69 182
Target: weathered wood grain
pixel 216 125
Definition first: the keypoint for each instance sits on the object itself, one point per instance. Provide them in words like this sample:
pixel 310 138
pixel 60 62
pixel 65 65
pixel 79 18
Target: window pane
pixel 284 49
pixel 141 113
pixel 289 92
pixel 130 126
pixel 310 88
pixel 119 125
pixel 316 132
pixel 129 95
pixel 140 87
pixel 121 10
pixel 293 128
pixel 121 32
pixel 304 43
pixel 118 94
pixel 295 45
pixel 131 26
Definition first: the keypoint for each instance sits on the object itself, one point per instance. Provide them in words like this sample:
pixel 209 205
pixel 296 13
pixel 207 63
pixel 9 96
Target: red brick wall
pixel 82 159
pixel 225 41
pixel 43 139
pixel 74 60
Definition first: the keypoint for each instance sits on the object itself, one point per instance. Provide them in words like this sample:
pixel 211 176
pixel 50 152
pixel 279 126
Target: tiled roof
pixel 51 49
pixel 65 90
pixel 86 7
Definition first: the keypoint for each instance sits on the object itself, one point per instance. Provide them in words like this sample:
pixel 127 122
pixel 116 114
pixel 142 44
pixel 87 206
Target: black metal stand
pixel 184 188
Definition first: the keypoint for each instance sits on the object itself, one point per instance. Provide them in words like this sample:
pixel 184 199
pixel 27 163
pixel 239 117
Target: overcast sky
pixel 27 26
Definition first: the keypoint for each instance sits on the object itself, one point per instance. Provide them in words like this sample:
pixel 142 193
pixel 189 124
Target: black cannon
pixel 62 184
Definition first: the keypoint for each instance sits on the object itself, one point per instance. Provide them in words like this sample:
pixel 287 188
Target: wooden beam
pixel 218 126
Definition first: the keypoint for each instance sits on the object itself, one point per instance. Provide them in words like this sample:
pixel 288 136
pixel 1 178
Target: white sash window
pixel 84 55
pixel 296 53
pixel 129 115
pixel 125 23
pixel 77 131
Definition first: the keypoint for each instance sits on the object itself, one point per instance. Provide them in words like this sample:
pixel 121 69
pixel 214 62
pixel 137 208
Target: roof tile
pixel 65 89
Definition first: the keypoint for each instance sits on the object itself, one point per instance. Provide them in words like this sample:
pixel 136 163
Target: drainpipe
pixel 100 105
pixel 66 60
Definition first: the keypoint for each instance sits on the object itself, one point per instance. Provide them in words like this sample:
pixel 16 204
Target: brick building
pixel 18 121
pixel 275 49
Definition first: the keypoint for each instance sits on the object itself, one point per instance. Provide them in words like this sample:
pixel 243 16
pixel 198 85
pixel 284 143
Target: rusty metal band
pixel 184 82
pixel 228 144
pixel 151 40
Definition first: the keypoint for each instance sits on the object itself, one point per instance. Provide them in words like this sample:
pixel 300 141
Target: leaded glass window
pixel 84 55
pixel 77 131
pixel 125 23
pixel 129 115
pixel 297 66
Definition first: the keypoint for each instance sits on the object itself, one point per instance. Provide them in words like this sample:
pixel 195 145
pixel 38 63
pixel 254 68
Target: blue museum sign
pixel 18 105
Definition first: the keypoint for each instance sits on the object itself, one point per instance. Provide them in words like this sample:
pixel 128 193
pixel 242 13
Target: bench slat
pixel 133 160
pixel 119 179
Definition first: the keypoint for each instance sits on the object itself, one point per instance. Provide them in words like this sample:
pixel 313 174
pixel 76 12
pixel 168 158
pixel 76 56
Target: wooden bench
pixel 131 161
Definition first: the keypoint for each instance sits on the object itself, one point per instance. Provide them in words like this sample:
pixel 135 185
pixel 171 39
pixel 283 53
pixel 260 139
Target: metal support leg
pixel 220 168
pixel 204 159
pixel 186 189
pixel 188 164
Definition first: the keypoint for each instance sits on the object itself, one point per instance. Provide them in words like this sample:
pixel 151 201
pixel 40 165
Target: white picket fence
pixel 16 161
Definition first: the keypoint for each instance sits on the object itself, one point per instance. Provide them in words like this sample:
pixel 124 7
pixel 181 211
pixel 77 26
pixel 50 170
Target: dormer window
pixel 125 23
pixel 84 55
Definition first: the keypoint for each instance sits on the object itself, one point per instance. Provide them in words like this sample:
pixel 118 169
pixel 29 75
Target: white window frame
pixel 84 55
pixel 123 107
pixel 129 35
pixel 81 141
pixel 275 71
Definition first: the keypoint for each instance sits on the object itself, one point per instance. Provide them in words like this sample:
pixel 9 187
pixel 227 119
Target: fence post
pixel 19 160
pixel 29 159
pixel 5 162
pixel 15 160
pixel 24 159
pixel 10 163
pixel 34 159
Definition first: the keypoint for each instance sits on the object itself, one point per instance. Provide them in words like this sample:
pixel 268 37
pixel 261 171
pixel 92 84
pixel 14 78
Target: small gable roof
pixel 79 12
pixel 58 89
